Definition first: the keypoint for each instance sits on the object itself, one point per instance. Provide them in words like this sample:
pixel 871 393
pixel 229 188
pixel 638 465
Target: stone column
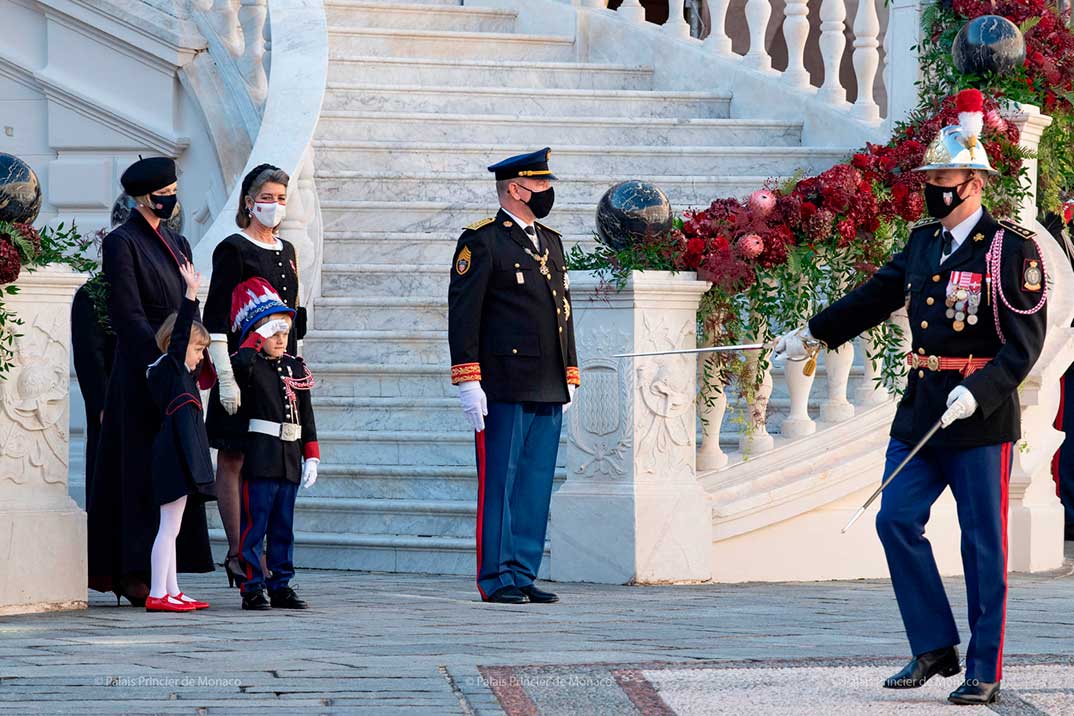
pixel 42 530
pixel 632 510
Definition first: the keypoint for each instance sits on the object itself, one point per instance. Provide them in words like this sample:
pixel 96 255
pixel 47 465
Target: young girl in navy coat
pixel 182 467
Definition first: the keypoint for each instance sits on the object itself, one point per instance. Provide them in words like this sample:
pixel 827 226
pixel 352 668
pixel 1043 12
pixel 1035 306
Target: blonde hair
pixel 198 333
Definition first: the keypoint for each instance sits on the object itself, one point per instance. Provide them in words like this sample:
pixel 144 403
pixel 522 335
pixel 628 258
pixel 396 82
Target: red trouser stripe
pixel 480 442
pixel 1005 481
pixel 245 532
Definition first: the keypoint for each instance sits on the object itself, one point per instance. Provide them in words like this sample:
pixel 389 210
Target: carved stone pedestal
pixel 631 510
pixel 42 530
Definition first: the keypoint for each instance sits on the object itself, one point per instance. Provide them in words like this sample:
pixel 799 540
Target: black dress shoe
pixel 255 601
pixel 507 595
pixel 974 692
pixel 285 598
pixel 538 596
pixel 923 667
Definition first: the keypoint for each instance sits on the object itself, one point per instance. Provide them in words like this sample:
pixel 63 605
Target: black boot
pixel 255 601
pixel 923 667
pixel 285 598
pixel 974 693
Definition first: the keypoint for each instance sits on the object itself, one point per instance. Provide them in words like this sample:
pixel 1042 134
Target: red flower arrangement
pixel 19 244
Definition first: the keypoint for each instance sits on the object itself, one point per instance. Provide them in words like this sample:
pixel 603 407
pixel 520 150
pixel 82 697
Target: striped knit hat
pixel 252 300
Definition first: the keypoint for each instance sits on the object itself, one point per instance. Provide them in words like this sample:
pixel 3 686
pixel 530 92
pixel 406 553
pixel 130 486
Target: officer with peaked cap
pixel 514 361
pixel 975 293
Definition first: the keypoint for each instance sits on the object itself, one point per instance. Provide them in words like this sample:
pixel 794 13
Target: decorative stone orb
pixel 989 43
pixel 20 191
pixel 124 205
pixel 631 212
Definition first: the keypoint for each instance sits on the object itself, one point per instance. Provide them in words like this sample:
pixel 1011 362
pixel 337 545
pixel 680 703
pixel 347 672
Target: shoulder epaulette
pixel 924 222
pixel 548 228
pixel 480 223
pixel 1017 229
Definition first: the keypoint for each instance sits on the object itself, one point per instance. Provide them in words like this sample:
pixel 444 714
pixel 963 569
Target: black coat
pixel 236 259
pixel 265 397
pixel 93 351
pixel 182 464
pixel 142 269
pixel 915 276
pixel 510 325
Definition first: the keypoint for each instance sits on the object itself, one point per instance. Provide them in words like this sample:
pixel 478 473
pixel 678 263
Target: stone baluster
pixel 756 438
pixel 301 206
pixel 710 456
pixel 832 15
pixel 225 19
pixel 676 23
pixel 796 30
pixel 252 19
pixel 799 385
pixel 869 392
pixel 757 14
pixel 632 10
pixel 866 59
pixel 837 365
pixel 718 41
pixel 267 61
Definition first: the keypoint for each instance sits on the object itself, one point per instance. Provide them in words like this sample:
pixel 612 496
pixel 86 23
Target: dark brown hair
pixel 258 177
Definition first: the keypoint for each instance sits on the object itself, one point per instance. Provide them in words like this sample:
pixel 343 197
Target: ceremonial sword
pixel 917 448
pixel 686 351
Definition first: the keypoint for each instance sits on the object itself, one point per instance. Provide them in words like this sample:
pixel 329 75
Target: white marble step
pixel 478 187
pixel 428 348
pixel 383 280
pixel 452 72
pixel 447 3
pixel 511 128
pixel 350 41
pixel 402 15
pixel 402 482
pixel 381 313
pixel 402 447
pixel 389 216
pixel 428 249
pixel 356 379
pixel 414 518
pixel 526 101
pixel 415 412
pixel 615 162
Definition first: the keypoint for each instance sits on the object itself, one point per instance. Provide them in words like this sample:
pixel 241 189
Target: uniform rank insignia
pixel 978 236
pixel 462 263
pixel 1031 275
pixel 480 223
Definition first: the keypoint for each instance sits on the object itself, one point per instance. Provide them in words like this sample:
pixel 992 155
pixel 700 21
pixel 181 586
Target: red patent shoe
pixel 167 604
pixel 192 602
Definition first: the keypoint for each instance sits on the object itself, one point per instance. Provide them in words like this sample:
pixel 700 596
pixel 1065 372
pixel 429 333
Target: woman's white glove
pixel 230 395
pixel 273 327
pixel 793 344
pixel 474 403
pixel 960 405
pixel 309 471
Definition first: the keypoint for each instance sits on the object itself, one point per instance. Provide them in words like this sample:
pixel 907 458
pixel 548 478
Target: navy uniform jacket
pixel 509 325
pixel 916 277
pixel 265 397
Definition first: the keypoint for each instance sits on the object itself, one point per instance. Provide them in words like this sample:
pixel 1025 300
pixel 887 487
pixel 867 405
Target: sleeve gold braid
pixel 574 377
pixel 464 372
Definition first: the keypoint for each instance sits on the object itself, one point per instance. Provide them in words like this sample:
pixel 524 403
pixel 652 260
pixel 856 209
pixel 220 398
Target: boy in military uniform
pixel 513 358
pixel 974 291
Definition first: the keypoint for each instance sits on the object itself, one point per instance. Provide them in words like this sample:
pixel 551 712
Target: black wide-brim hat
pixel 146 176
pixel 533 165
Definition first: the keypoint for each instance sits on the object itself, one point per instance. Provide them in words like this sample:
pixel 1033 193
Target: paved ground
pixel 394 644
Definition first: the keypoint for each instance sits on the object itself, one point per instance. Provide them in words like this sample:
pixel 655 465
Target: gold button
pixel 936 278
pixel 921 351
pixel 553 292
pixel 561 329
pixel 514 350
pixel 558 311
pixel 921 374
pixel 930 300
pixel 516 266
pixel 924 324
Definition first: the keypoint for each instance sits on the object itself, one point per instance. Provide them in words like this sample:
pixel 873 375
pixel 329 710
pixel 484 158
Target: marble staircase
pixel 421 97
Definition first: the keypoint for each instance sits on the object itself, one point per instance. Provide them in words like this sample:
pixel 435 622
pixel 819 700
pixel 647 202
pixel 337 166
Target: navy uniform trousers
pixel 268 508
pixel 516 461
pixel 979 478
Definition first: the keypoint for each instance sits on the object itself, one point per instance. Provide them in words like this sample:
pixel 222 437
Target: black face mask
pixel 166 204
pixel 540 202
pixel 942 200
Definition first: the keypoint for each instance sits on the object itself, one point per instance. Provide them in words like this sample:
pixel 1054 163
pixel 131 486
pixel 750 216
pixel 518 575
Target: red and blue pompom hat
pixel 252 300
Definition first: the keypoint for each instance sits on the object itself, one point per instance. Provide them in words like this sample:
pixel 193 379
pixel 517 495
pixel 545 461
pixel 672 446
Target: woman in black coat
pixel 141 261
pixel 257 250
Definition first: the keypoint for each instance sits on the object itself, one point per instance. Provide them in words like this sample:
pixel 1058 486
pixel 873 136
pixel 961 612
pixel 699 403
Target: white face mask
pixel 270 215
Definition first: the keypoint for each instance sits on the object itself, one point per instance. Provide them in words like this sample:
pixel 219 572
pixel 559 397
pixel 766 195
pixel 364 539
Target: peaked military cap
pixel 534 164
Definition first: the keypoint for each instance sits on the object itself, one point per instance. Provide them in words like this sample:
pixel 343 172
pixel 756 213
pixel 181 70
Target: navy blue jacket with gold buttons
pixel 915 277
pixel 509 316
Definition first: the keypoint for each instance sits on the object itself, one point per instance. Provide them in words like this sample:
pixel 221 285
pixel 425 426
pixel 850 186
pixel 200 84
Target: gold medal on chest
pixel 542 262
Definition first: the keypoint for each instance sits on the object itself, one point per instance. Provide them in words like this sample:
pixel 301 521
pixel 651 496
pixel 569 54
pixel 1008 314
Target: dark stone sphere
pixel 631 212
pixel 20 191
pixel 125 204
pixel 989 43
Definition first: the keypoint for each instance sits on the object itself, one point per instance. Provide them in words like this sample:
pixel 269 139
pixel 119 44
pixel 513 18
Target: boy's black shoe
pixel 255 601
pixel 285 598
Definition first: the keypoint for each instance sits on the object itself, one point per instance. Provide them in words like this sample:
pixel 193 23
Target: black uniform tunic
pixel 509 323
pixel 93 351
pixel 145 287
pixel 181 462
pixel 916 276
pixel 236 259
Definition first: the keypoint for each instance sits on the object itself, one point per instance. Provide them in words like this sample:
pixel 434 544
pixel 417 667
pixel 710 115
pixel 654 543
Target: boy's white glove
pixel 474 403
pixel 230 395
pixel 309 471
pixel 960 404
pixel 273 327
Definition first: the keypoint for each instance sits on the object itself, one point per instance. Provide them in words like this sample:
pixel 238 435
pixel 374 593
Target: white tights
pixel 164 580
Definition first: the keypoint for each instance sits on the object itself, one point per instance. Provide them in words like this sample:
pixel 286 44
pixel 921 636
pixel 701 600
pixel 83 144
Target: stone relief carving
pixel 33 433
pixel 598 426
pixel 666 386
